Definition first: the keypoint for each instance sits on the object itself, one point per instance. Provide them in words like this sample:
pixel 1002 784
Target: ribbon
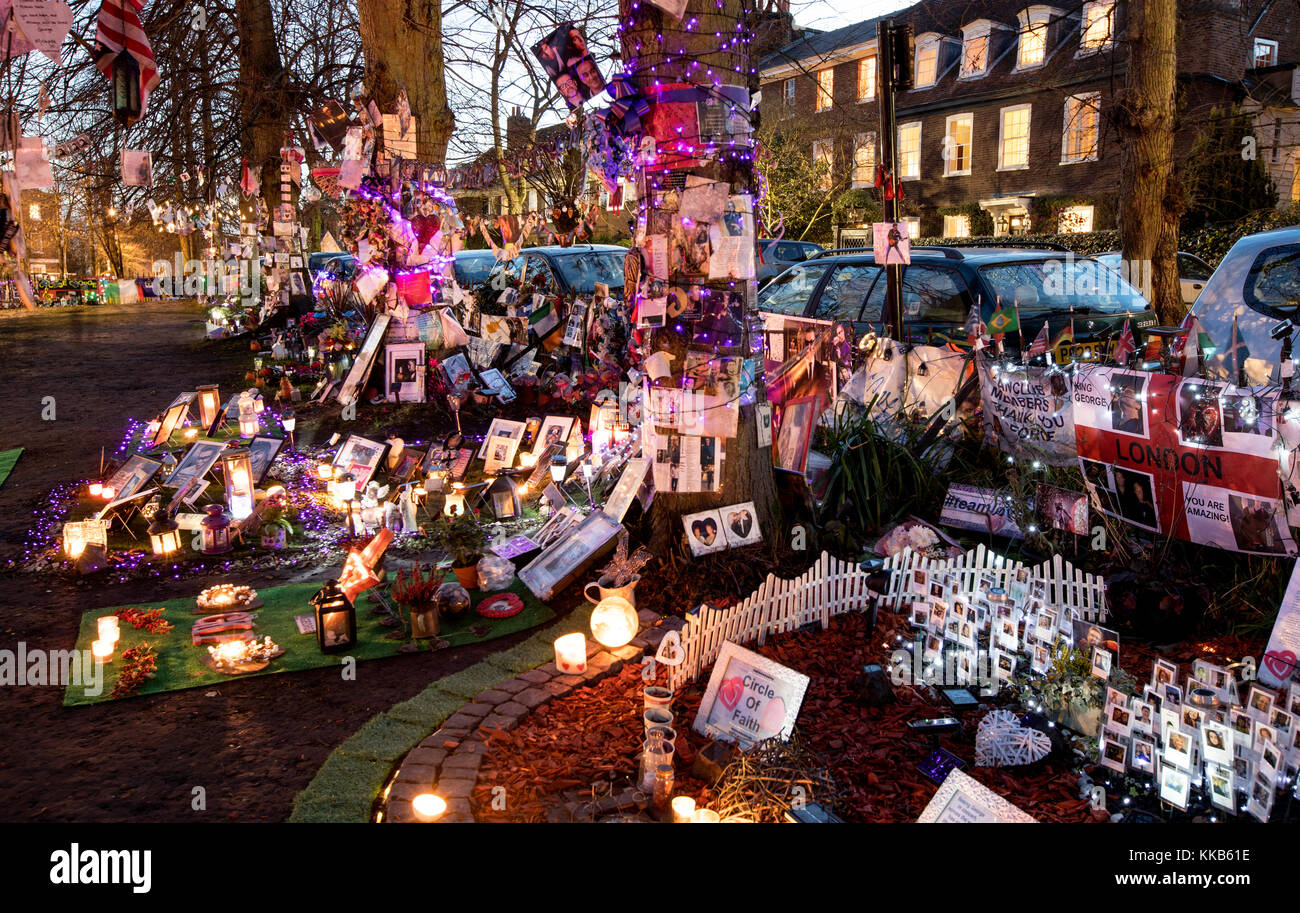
pixel 629 106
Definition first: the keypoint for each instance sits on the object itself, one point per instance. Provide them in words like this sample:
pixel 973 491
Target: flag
pixel 1004 320
pixel 1039 345
pixel 1064 337
pixel 119 27
pixel 1125 347
pixel 1235 355
pixel 974 326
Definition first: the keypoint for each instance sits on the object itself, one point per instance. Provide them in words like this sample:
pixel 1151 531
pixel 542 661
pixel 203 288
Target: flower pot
pixel 543 398
pixel 274 537
pixel 424 622
pixel 1086 721
pixel 467 576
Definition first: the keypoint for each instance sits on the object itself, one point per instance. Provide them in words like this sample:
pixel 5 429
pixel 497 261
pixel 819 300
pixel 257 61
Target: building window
pixel 913 227
pixel 909 151
pixel 1098 28
pixel 957 144
pixel 927 61
pixel 787 97
pixel 1295 178
pixel 975 49
pixel 1082 116
pixel 867 78
pixel 864 160
pixel 1013 138
pixel 1031 51
pixel 956 226
pixel 1074 219
pixel 34 212
pixel 1265 52
pixel 825 88
pixel 824 156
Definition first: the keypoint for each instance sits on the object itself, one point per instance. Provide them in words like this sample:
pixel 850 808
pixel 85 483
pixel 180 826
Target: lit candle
pixel 96 488
pixel 102 650
pixel 107 492
pixel 571 653
pixel 428 807
pixel 705 816
pixel 107 628
pixel 683 809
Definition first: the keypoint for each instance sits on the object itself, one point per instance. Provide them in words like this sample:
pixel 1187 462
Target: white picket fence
pixel 830 587
pixel 1066 585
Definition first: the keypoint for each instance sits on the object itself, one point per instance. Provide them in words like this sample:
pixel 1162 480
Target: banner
pixel 981 510
pixel 1028 412
pixel 1186 458
pixel 1283 650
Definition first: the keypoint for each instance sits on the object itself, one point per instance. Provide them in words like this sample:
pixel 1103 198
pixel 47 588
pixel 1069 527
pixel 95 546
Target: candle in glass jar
pixel 107 628
pixel 571 653
pixel 706 816
pixel 102 650
pixel 683 809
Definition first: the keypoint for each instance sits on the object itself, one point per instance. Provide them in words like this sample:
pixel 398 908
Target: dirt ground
pixel 251 745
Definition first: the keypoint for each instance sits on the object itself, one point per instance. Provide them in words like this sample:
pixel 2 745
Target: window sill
pixel 1028 67
pixel 928 85
pixel 866 101
pixel 969 77
pixel 1091 158
pixel 912 177
pixel 1024 167
pixel 957 174
pixel 1093 52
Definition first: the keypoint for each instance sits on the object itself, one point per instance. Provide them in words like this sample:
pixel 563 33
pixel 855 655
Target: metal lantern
pixel 237 469
pixel 216 531
pixel 209 404
pixel 164 534
pixel 559 468
pixel 503 495
pixel 289 421
pixel 336 619
pixel 126 88
pixel 455 503
pixel 249 424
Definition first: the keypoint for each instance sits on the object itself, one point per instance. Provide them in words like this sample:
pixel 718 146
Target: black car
pixel 564 270
pixel 473 267
pixel 941 284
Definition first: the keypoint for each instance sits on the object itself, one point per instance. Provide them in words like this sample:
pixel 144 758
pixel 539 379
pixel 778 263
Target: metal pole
pixel 893 315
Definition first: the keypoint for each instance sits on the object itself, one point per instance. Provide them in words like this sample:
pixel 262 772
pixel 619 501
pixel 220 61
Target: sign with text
pixel 750 698
pixel 964 800
pixel 981 510
pixel 1028 412
pixel 1283 650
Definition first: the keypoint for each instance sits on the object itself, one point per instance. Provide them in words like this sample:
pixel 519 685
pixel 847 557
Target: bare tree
pixel 402 41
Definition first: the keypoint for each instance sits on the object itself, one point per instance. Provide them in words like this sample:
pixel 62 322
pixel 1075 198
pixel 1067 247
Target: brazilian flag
pixel 1004 320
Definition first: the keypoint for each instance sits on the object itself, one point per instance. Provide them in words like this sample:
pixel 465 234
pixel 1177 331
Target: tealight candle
pixel 705 816
pixel 107 492
pixel 96 488
pixel 683 809
pixel 102 650
pixel 107 627
pixel 428 807
pixel 571 653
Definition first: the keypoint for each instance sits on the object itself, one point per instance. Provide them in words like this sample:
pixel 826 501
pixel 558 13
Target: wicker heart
pixel 1003 741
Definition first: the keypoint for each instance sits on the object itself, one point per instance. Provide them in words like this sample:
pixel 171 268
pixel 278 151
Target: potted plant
pixel 276 527
pixel 1070 695
pixel 415 591
pixel 462 537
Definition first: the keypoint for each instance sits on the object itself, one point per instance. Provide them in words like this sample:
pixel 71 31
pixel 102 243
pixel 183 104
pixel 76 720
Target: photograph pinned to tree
pixel 137 168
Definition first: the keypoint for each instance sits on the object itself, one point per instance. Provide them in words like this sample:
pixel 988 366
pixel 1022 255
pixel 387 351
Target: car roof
pixel 481 252
pixel 945 254
pixel 554 249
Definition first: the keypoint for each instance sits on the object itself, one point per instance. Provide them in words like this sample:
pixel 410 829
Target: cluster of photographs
pixel 565 58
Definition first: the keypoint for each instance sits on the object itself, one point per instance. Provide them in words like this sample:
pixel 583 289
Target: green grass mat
pixel 7 460
pixel 180 663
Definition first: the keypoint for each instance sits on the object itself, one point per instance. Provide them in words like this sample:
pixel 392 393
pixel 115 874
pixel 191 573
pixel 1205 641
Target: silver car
pixel 1258 283
pixel 1193 273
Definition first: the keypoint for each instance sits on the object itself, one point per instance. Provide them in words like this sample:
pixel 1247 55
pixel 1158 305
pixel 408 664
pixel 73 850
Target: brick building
pixel 1007 127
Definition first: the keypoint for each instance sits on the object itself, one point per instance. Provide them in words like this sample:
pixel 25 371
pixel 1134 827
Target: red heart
pixel 1281 663
pixel 730 692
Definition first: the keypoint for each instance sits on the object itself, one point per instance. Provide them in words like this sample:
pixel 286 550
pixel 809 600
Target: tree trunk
pixel 262 107
pixel 648 32
pixel 402 43
pixel 1151 199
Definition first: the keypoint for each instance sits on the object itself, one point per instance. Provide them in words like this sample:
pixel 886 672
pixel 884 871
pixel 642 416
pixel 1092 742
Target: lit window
pixel 1265 52
pixel 1074 219
pixel 825 88
pixel 927 62
pixel 913 227
pixel 909 151
pixel 789 93
pixel 34 212
pixel 1082 116
pixel 824 156
pixel 957 144
pixel 1013 140
pixel 1098 27
pixel 1295 179
pixel 956 226
pixel 867 78
pixel 975 49
pixel 864 160
pixel 1032 47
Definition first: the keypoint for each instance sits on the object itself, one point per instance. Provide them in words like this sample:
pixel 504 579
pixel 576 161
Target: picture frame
pixel 1175 785
pixel 360 456
pixel 626 488
pixel 365 360
pixel 962 799
pixel 1114 751
pixel 501 451
pixel 501 427
pixel 133 475
pixel 798 419
pixel 704 532
pixel 555 429
pixel 189 492
pixel 404 370
pixel 197 462
pixel 408 467
pixel 171 419
pixel 111 509
pixel 262 451
pixel 1142 754
pixel 749 698
pixel 562 561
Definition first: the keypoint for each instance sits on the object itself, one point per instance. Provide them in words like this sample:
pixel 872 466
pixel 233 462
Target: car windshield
pixel 1273 285
pixel 789 292
pixel 581 270
pixel 1083 286
pixel 473 270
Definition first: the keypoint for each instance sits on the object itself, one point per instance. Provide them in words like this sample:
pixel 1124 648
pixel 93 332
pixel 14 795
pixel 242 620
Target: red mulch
pixel 594 735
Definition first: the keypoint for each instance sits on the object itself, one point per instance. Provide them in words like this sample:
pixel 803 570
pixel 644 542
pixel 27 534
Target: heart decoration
pixel 1003 741
pixel 731 691
pixel 45 23
pixel 670 651
pixel 773 720
pixel 740 522
pixel 1280 664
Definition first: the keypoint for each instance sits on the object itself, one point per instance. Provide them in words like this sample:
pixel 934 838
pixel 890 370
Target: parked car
pixel 340 265
pixel 564 270
pixel 1258 284
pixel 941 284
pixel 778 256
pixel 1193 272
pixel 473 267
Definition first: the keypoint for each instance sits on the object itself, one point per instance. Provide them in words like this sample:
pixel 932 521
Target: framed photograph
pixel 1178 748
pixel 1216 742
pixel 1143 754
pixel 555 429
pixel 1219 781
pixel 1175 785
pixel 1259 702
pixel 196 463
pixel 626 488
pixel 365 359
pixel 798 418
pixel 133 475
pixel 172 418
pixel 408 467
pixel 134 501
pixel 749 698
pixel 1114 751
pixel 1164 673
pixel 704 532
pixel 740 524
pixel 359 456
pixel 1101 660
pixel 501 427
pixel 501 449
pixel 568 556
pixel 1119 719
pixel 964 800
pixel 404 372
pixel 496 382
pixel 262 451
pixel 1144 717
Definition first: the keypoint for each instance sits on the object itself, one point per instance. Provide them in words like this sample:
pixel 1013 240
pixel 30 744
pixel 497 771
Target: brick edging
pixel 448 761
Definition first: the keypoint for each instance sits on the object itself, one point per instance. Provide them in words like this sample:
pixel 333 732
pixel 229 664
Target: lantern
pixel 613 622
pixel 126 88
pixel 621 432
pixel 436 478
pixel 288 421
pixel 96 489
pixel 74 540
pixel 571 653
pixel 237 468
pixel 249 424
pixel 216 531
pixel 344 488
pixel 455 501
pixel 559 468
pixel 324 470
pixel 336 619
pixel 504 497
pixel 164 534
pixel 102 650
pixel 356 517
pixel 428 807
pixel 209 404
